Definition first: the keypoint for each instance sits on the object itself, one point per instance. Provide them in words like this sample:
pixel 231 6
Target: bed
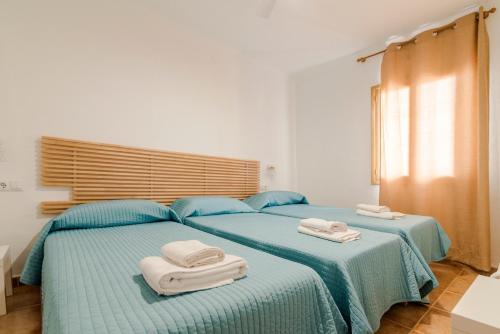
pixel 422 233
pixel 365 277
pixel 91 283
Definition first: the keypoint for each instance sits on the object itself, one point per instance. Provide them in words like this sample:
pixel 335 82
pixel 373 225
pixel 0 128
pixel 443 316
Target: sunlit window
pixel 396 132
pixel 435 126
pixel 433 148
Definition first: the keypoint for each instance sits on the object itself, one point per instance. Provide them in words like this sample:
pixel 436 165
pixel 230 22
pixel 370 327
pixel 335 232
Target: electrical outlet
pixel 4 186
pixel 10 186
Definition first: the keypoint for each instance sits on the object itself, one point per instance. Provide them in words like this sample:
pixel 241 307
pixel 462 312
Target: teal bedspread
pixel 91 284
pixel 365 277
pixel 423 234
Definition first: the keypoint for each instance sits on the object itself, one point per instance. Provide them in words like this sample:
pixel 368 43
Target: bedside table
pixel 5 277
pixel 477 311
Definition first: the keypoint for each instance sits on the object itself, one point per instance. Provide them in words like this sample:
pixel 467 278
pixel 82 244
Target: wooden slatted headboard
pixel 96 172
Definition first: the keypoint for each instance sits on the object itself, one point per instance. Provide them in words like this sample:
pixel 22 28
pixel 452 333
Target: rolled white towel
pixel 166 278
pixel 192 253
pixel 382 215
pixel 323 225
pixel 342 237
pixel 373 208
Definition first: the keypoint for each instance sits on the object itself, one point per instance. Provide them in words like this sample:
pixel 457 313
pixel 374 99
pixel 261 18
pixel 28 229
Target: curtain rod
pixel 486 13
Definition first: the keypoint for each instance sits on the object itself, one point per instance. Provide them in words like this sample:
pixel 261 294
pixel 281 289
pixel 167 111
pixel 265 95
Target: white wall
pixel 333 130
pixel 117 72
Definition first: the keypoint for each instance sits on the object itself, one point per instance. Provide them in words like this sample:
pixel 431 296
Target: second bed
pixel 365 277
pixel 422 233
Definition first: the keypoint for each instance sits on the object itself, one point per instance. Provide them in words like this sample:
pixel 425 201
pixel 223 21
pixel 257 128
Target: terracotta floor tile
pixel 468 275
pixel 389 327
pixel 436 293
pixel 23 321
pixel 24 295
pixel 447 265
pixel 447 301
pixel 459 285
pixel 435 322
pixel 445 274
pixel 406 314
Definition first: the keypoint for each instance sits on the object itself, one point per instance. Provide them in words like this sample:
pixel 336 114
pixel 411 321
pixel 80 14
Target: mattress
pixel 423 234
pixel 91 284
pixel 365 277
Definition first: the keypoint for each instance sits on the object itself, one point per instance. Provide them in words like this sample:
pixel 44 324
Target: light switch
pixel 16 186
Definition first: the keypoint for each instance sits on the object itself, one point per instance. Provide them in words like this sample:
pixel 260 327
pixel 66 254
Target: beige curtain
pixel 434 95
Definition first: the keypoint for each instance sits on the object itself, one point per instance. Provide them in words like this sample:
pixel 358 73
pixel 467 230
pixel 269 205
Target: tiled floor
pixel 454 280
pixel 24 306
pixel 23 312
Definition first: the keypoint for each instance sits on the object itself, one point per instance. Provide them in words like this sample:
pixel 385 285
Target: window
pixel 435 129
pixel 396 140
pixel 375 136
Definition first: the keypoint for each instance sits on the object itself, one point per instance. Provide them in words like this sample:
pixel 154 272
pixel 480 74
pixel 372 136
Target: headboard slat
pixel 104 172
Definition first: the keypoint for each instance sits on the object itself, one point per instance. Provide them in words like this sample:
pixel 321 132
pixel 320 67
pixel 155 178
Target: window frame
pixel 375 135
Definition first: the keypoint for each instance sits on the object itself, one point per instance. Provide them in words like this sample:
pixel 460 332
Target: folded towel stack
pixel 191 266
pixel 377 211
pixel 373 208
pixel 192 253
pixel 329 230
pixel 322 225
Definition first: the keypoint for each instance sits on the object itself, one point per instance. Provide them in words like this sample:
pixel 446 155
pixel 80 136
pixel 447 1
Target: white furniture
pixel 5 277
pixel 478 310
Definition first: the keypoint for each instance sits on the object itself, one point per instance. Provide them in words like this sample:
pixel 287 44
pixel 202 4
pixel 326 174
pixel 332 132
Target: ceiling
pixel 302 33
